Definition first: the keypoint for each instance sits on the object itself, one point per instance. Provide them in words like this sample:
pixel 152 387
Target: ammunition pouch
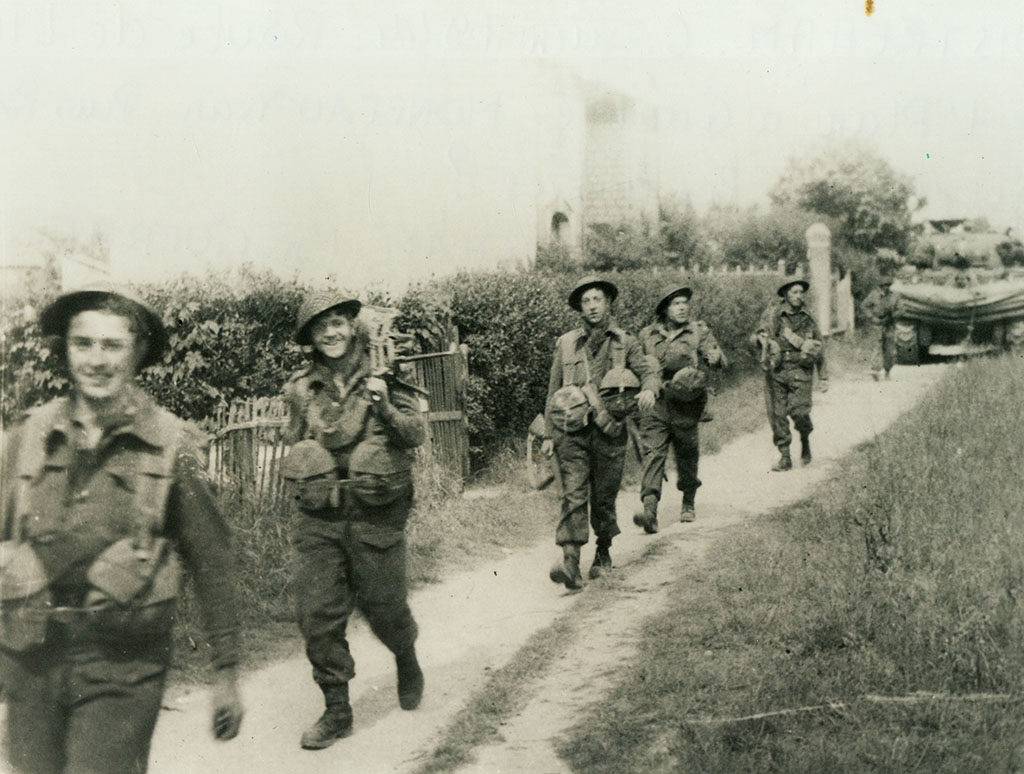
pixel 24 597
pixel 317 493
pixel 134 589
pixel 379 474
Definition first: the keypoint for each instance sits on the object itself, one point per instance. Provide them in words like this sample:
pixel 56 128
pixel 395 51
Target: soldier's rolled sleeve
pixel 641 365
pixel 401 415
pixel 203 538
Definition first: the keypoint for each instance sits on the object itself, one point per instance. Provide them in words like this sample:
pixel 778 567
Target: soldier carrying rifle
pixel 355 429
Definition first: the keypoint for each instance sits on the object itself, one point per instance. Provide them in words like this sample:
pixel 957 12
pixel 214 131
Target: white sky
pixel 312 135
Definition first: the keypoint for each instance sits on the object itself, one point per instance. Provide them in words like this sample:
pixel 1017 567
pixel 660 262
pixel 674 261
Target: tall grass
pixel 905 574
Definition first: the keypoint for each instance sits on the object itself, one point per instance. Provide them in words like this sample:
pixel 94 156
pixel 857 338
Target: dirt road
pixel 476 621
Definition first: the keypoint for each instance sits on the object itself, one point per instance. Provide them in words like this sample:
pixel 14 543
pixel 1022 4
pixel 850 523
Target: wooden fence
pixel 248 444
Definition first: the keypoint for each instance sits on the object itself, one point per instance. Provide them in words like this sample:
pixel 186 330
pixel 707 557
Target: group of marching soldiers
pixel 105 499
pixel 601 377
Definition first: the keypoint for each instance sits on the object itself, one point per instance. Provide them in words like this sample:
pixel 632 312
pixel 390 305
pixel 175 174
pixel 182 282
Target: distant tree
pixel 621 246
pixel 555 257
pixel 681 234
pixel 871 202
pixel 750 237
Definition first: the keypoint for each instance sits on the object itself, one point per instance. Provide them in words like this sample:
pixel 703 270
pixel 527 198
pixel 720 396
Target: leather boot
pixel 334 724
pixel 648 517
pixel 805 448
pixel 567 571
pixel 602 561
pixel 410 680
pixel 688 513
pixel 784 463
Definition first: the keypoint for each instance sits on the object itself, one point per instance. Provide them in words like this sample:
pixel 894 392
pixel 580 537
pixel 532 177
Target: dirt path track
pixel 476 621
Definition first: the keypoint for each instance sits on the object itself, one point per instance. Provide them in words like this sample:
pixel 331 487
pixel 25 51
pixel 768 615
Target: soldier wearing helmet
pixel 681 349
pixel 880 307
pixel 790 345
pixel 354 434
pixel 598 375
pixel 104 495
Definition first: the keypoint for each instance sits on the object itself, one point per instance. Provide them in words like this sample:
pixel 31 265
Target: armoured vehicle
pixel 965 303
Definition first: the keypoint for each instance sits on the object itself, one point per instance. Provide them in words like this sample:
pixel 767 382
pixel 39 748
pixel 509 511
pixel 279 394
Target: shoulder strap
pixel 567 343
pixel 618 352
pixel 31 458
pixel 153 480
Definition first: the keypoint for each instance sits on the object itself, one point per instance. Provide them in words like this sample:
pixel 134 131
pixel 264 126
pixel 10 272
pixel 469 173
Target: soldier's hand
pixel 377 388
pixel 547 448
pixel 227 706
pixel 645 400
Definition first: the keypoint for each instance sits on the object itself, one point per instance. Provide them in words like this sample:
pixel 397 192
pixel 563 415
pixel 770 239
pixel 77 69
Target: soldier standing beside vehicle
pixel 102 492
pixel 596 373
pixel 355 434
pixel 683 349
pixel 790 346
pixel 880 307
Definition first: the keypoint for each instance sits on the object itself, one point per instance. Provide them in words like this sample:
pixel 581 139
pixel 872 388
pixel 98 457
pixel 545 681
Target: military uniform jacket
pixel 691 344
pixel 83 500
pixel 880 306
pixel 339 414
pixel 788 326
pixel 598 365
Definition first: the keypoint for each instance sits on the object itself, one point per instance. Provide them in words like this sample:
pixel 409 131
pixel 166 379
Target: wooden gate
pixel 248 446
pixel 443 375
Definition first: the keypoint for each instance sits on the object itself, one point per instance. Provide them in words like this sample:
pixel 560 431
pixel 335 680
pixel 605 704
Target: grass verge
pixel 904 576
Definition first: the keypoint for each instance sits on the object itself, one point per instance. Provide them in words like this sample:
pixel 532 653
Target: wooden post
pixel 819 263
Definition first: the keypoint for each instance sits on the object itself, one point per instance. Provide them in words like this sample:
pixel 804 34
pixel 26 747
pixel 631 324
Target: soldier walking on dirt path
pixel 103 491
pixel 681 349
pixel 599 374
pixel 790 347
pixel 880 307
pixel 355 432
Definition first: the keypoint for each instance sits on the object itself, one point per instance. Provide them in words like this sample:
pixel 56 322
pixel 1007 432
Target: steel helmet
pixel 319 301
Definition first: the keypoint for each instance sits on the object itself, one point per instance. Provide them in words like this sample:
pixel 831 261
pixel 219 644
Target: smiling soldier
pixel 354 436
pixel 102 492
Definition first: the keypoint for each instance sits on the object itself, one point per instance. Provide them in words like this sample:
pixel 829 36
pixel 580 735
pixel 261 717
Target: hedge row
pixel 230 336
pixel 510 323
